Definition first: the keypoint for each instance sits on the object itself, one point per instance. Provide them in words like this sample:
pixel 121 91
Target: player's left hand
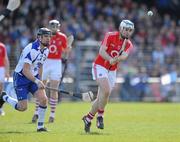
pixel 7 75
pixel 64 60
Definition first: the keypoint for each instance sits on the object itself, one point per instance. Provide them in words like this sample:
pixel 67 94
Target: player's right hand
pixel 7 75
pixel 113 60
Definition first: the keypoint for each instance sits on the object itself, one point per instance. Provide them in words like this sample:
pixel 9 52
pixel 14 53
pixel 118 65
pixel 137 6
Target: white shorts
pixel 101 72
pixel 2 74
pixel 52 69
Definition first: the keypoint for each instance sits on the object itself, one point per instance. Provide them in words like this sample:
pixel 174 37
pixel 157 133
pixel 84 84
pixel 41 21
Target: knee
pixel 22 105
pixel 53 94
pixel 22 108
pixel 41 97
pixel 43 101
pixel 107 92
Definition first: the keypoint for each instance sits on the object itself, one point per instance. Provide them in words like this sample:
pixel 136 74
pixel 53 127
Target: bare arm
pixel 67 50
pixel 119 58
pixel 104 54
pixel 122 57
pixel 27 72
pixel 6 61
pixel 40 71
pixel 29 75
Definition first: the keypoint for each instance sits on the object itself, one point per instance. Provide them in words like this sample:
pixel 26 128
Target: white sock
pixel 2 112
pixel 36 107
pixel 13 102
pixel 41 116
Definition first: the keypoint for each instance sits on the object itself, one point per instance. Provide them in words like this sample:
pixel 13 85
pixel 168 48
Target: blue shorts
pixel 23 86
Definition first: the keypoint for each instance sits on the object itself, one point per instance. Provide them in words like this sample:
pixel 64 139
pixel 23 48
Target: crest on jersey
pixel 114 53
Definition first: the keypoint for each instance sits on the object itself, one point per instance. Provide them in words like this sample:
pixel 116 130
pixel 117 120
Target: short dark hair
pixel 43 31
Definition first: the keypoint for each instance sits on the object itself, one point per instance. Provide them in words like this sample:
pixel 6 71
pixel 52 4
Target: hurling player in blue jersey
pixel 27 77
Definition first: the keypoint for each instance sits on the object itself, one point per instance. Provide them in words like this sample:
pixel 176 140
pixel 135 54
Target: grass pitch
pixel 124 122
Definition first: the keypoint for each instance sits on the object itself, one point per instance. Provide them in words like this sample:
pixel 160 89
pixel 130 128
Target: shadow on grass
pixel 36 123
pixel 95 133
pixel 17 132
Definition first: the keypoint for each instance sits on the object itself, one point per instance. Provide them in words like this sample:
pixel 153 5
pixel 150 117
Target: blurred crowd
pixel 156 39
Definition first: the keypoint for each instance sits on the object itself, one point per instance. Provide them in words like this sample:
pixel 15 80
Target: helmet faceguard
pixel 126 28
pixel 44 35
pixel 54 25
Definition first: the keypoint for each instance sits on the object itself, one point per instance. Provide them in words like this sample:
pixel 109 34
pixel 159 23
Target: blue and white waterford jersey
pixel 33 55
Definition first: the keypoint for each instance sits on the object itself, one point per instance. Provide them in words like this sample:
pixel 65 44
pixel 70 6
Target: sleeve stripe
pixel 35 58
pixel 28 56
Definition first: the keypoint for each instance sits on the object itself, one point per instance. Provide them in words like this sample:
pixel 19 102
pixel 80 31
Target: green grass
pixel 124 122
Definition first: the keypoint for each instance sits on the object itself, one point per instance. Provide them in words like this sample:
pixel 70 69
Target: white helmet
pixel 54 26
pixel 126 24
pixel 54 22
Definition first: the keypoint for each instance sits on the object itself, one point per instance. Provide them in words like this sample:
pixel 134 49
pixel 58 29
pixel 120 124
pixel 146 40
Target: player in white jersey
pixel 27 77
pixel 52 68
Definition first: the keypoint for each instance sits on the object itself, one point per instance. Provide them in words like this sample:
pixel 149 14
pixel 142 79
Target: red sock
pixel 53 104
pixel 100 112
pixel 89 117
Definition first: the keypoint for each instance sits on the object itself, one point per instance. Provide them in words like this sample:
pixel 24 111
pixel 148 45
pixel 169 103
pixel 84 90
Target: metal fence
pixel 129 87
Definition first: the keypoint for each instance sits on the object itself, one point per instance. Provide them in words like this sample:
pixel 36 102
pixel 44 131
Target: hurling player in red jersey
pixel 104 69
pixel 52 69
pixel 4 69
